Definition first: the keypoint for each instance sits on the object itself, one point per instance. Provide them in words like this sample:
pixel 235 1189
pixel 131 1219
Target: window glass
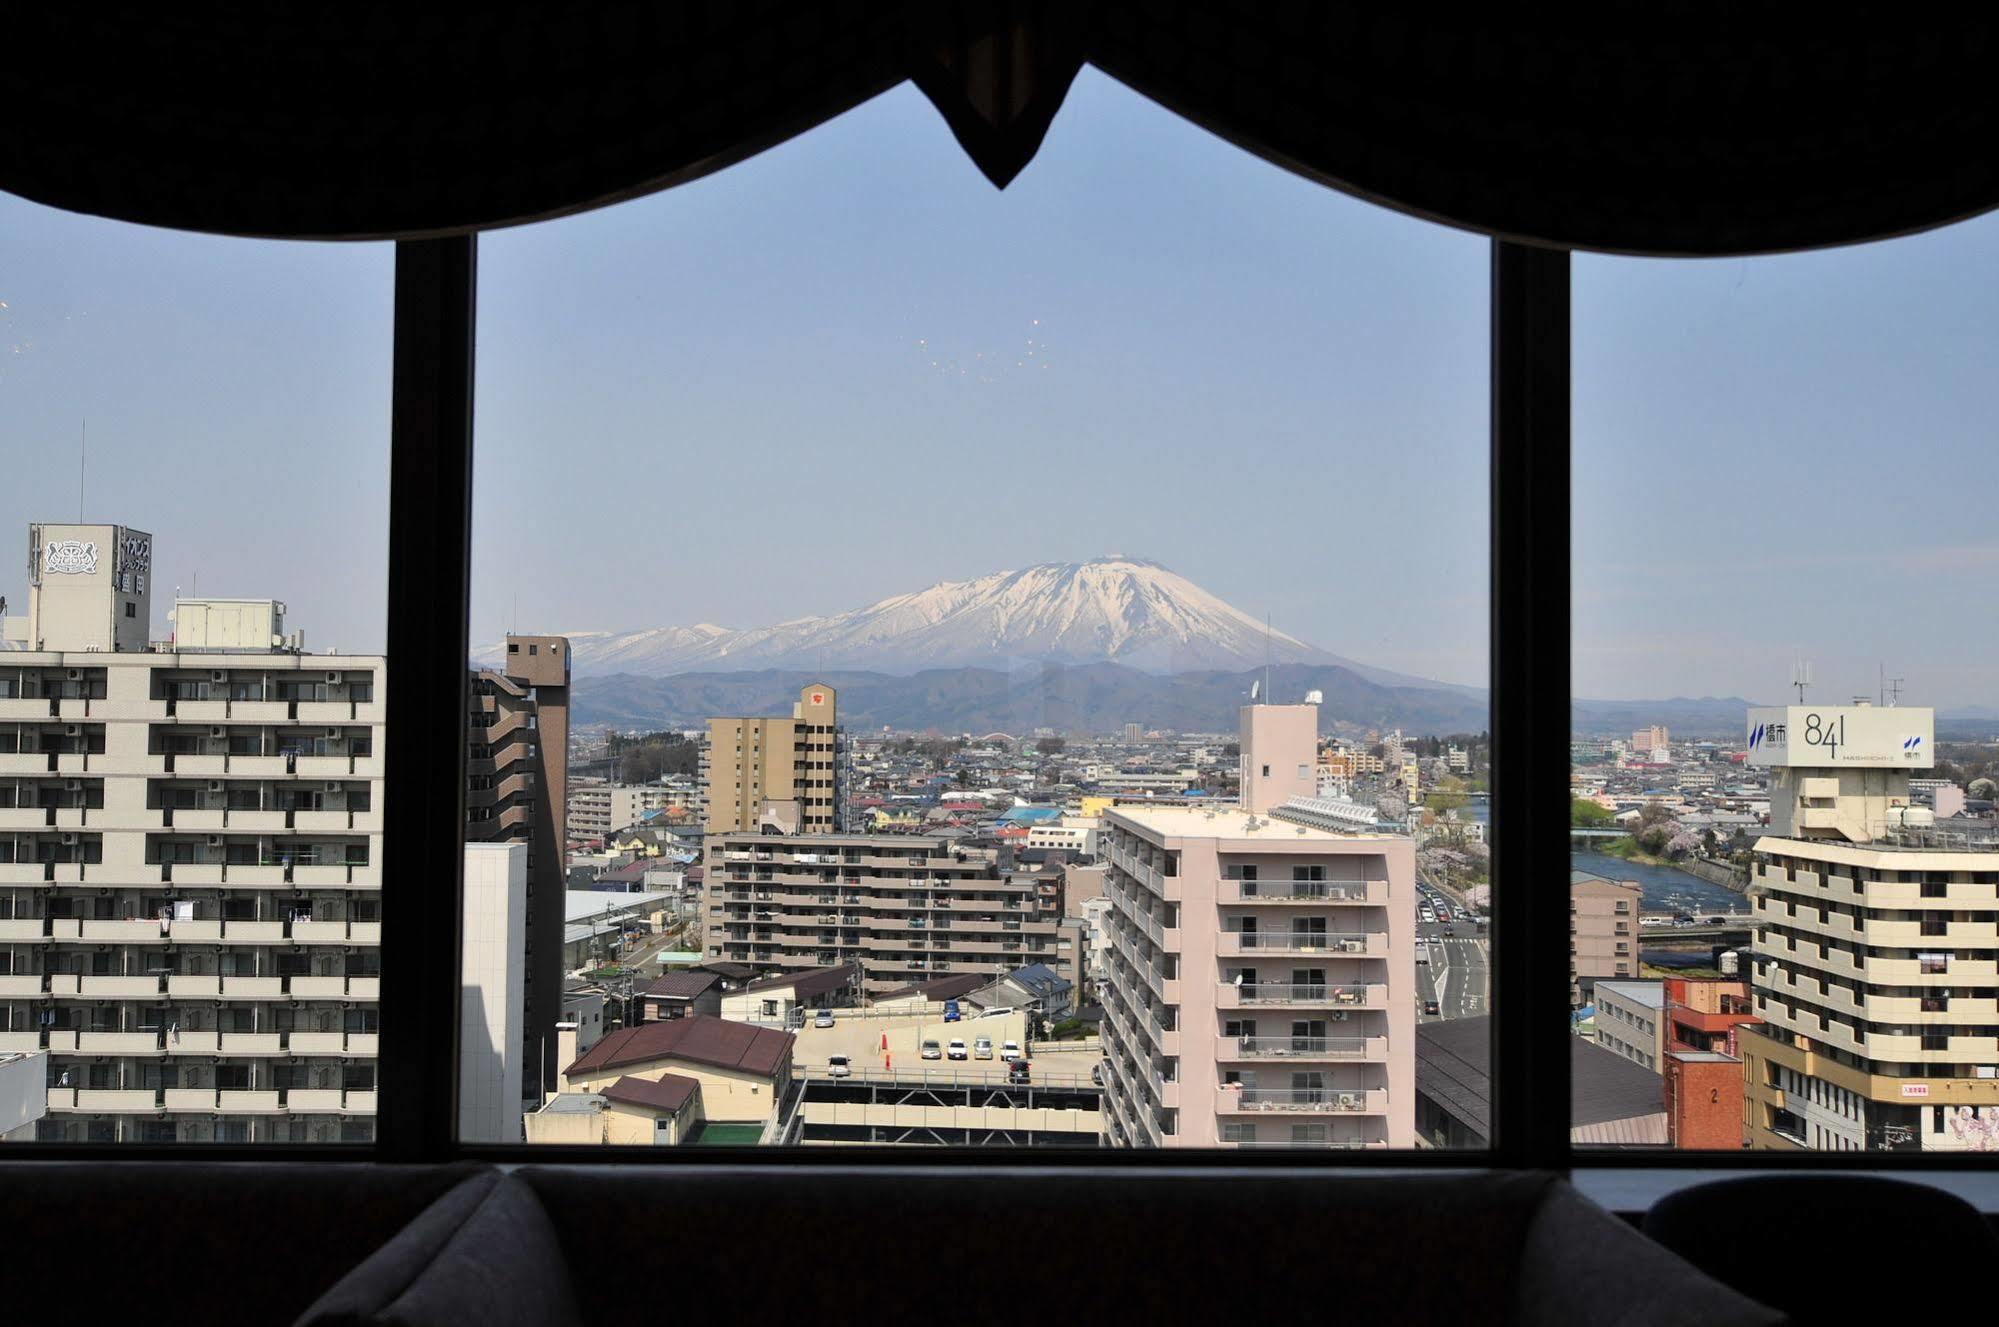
pixel 1022 650
pixel 196 443
pixel 1785 859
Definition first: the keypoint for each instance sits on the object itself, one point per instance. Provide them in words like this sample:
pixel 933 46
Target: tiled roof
pixel 810 981
pixel 698 1040
pixel 670 1093
pixel 682 985
pixel 944 988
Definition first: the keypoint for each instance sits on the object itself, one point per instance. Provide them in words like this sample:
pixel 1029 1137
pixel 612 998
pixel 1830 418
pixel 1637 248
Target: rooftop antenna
pixel 1801 676
pixel 1894 691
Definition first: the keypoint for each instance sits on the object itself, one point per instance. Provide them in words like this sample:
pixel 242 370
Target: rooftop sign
pixel 1828 736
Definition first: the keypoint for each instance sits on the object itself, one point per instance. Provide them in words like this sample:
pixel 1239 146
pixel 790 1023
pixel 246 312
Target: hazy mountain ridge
pixel 1090 698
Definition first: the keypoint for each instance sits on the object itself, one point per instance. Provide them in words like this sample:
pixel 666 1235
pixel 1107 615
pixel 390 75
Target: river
pixel 1666 889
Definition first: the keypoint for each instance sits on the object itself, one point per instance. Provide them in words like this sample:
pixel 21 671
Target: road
pixel 1456 976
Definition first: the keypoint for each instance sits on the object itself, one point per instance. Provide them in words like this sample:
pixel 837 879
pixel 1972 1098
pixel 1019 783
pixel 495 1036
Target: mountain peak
pixel 1116 608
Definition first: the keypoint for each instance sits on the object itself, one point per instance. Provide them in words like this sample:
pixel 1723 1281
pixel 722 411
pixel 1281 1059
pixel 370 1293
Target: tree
pixel 1652 814
pixel 1048 746
pixel 1231 751
pixel 1586 814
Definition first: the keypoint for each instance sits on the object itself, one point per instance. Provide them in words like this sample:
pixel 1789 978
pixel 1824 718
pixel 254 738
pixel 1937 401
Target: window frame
pixel 430 550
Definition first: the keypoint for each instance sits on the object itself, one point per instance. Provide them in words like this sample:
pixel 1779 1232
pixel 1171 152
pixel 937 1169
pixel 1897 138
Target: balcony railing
pixel 1293 942
pixel 1316 1048
pixel 1313 1101
pixel 1314 993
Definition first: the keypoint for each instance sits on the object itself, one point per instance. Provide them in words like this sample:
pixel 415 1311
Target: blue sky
pixel 1150 343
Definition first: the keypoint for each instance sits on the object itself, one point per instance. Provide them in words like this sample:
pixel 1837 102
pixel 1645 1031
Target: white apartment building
pixel 492 992
pixel 1631 1021
pixel 1877 947
pixel 190 860
pixel 1261 970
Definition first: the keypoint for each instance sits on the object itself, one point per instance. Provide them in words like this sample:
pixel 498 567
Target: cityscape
pixel 793 926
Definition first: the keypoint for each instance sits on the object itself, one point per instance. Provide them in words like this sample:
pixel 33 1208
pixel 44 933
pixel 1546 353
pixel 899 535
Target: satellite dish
pixel 1255 689
pixel 1315 697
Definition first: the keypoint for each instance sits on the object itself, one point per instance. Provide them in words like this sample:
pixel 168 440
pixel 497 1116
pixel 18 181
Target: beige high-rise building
pixel 776 772
pixel 1603 929
pixel 1261 967
pixel 190 861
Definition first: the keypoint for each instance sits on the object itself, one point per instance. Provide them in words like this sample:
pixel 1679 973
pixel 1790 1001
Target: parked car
pixel 1017 1072
pixel 837 1066
pixel 932 1051
pixel 1422 953
pixel 1717 921
pixel 1097 1073
pixel 1430 1008
pixel 823 1019
pixel 955 1051
pixel 951 1014
pixel 982 1048
pixel 1009 1050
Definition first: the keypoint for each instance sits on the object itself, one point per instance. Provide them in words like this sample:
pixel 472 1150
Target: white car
pixel 982 1048
pixel 823 1019
pixel 955 1050
pixel 837 1066
pixel 932 1051
pixel 1009 1050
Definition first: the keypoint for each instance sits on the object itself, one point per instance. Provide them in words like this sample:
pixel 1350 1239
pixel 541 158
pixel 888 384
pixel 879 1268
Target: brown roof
pixel 808 981
pixel 733 971
pixel 698 1040
pixel 682 985
pixel 670 1093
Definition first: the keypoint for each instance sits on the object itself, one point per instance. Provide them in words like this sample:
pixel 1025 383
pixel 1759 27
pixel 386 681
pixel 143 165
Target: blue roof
pixel 1040 979
pixel 1022 814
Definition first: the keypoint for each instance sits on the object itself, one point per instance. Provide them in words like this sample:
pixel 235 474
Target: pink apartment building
pixel 1262 971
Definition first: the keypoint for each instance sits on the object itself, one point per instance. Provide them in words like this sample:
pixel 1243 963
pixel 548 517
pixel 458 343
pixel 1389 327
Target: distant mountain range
pixel 1118 610
pixel 1086 698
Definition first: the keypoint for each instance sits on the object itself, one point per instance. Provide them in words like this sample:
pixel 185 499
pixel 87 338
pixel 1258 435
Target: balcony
pixel 194 987
pixel 20 984
pixel 122 988
pixel 129 931
pixel 1347 892
pixel 1301 1101
pixel 1237 943
pixel 1364 1049
pixel 1328 996
pixel 247 1103
pixel 253 988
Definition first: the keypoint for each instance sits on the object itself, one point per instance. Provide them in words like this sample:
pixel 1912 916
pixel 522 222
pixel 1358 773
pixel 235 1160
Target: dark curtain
pixel 1675 129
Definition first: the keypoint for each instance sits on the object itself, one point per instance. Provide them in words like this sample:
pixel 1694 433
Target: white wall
pixel 491 992
pixel 24 1095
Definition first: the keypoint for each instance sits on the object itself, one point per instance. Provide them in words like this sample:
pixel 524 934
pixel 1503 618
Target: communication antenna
pixel 1894 691
pixel 1801 676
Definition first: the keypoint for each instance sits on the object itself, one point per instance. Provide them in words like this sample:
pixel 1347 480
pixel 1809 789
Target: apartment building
pixel 1603 931
pixel 1261 971
pixel 596 809
pixel 907 909
pixel 517 784
pixel 492 985
pixel 777 772
pixel 1876 966
pixel 190 860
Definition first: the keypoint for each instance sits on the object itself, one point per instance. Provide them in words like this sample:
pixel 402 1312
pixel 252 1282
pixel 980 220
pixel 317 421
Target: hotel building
pixel 1876 966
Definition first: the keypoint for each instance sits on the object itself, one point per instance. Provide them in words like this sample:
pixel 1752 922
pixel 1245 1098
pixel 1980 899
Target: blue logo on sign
pixel 1912 744
pixel 1755 736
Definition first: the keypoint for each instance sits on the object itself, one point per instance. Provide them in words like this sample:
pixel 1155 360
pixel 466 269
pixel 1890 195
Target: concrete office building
pixel 1630 1021
pixel 908 909
pixel 517 777
pixel 1877 945
pixel 492 985
pixel 1603 931
pixel 783 773
pixel 1261 971
pixel 190 860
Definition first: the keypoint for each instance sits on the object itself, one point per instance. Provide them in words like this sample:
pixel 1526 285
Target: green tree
pixel 1586 814
pixel 1048 746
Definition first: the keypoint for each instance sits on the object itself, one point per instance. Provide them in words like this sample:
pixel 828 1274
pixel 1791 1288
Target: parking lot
pixel 860 1039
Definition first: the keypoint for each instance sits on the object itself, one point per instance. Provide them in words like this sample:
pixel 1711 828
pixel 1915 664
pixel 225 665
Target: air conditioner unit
pixel 218 732
pixel 69 840
pixel 333 732
pixel 332 677
pixel 1350 1101
pixel 72 785
pixel 1353 946
pixel 72 730
pixel 332 786
pixel 75 674
pixel 214 840
pixel 219 675
pixel 1342 1015
pixel 215 785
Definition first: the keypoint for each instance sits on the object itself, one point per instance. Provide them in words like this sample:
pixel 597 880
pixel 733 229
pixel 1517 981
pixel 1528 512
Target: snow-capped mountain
pixel 1116 609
